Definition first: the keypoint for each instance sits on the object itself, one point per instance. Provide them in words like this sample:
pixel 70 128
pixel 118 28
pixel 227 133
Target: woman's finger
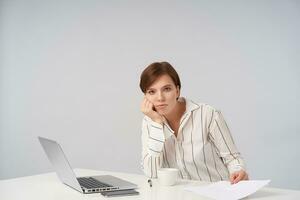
pixel 241 176
pixel 148 105
pixel 143 104
pixel 232 177
pixel 237 179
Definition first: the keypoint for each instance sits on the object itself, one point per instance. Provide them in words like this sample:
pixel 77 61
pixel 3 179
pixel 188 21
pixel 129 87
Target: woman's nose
pixel 160 96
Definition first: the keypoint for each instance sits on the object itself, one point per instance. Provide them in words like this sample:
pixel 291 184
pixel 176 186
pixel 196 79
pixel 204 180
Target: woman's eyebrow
pixel 167 85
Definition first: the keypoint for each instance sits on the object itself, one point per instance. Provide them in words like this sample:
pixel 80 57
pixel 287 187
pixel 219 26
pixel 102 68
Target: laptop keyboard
pixel 89 183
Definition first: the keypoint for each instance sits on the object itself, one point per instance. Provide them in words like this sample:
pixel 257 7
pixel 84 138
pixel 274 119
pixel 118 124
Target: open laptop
pixel 95 184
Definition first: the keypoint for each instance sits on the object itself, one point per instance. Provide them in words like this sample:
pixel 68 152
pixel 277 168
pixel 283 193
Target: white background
pixel 70 71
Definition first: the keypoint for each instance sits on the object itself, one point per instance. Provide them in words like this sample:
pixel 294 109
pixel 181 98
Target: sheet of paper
pixel 226 190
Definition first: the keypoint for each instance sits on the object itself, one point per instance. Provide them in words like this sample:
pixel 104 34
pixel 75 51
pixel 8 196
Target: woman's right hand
pixel 148 109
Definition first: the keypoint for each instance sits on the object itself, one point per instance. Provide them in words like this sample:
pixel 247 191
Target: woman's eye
pixel 167 89
pixel 150 92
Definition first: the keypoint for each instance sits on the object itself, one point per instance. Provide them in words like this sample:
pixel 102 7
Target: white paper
pixel 228 191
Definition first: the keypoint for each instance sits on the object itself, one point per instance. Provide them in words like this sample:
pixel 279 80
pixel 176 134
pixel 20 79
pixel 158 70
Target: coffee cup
pixel 167 176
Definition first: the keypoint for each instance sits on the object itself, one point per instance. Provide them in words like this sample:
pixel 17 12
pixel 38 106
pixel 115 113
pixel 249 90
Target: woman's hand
pixel 148 109
pixel 238 176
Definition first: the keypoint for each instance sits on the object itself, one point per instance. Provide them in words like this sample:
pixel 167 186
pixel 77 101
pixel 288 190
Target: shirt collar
pixel 189 105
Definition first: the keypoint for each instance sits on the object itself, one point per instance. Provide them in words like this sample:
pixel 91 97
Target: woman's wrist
pixel 158 120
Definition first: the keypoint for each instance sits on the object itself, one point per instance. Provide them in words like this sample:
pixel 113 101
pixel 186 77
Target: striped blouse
pixel 203 149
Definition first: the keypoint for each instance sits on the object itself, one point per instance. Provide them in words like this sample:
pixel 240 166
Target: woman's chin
pixel 161 112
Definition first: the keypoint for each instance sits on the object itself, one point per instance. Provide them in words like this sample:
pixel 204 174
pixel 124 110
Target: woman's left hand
pixel 238 176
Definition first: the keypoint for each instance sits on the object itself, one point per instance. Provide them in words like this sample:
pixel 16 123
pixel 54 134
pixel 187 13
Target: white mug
pixel 167 176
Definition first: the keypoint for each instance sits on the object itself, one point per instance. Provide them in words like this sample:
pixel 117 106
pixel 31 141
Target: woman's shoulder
pixel 200 106
pixel 204 111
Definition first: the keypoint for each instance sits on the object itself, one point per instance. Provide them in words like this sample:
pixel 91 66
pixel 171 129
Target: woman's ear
pixel 178 92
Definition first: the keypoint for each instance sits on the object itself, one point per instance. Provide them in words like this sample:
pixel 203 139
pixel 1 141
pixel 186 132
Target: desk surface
pixel 47 186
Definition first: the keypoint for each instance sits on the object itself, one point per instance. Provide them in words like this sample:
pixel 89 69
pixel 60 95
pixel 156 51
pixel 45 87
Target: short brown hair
pixel 154 71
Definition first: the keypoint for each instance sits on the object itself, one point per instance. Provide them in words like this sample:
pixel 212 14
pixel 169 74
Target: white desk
pixel 47 186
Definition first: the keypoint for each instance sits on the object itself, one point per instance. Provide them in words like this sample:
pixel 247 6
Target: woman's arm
pixel 221 137
pixel 152 143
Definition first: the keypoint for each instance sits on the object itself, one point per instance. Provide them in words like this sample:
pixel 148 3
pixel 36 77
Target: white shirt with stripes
pixel 203 149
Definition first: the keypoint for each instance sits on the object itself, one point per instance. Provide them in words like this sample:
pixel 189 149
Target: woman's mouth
pixel 161 106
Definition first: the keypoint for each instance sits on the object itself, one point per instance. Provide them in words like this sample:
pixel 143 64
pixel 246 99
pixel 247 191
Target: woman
pixel 179 133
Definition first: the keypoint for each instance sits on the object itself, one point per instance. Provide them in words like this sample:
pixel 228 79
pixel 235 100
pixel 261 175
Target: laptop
pixel 86 185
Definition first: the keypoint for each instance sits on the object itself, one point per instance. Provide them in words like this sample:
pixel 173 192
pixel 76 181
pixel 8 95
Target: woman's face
pixel 162 94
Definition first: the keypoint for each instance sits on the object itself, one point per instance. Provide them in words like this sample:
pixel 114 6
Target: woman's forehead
pixel 162 81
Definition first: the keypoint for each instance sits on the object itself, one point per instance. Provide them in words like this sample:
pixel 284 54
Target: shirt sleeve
pixel 152 143
pixel 221 137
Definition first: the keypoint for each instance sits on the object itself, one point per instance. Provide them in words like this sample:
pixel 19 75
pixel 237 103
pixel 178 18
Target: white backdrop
pixel 70 71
